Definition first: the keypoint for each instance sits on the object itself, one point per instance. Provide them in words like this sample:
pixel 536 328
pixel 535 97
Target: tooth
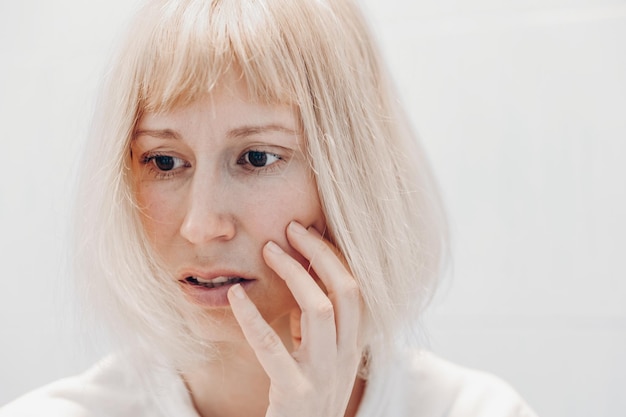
pixel 218 280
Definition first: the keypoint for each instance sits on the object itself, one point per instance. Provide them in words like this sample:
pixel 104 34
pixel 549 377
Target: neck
pixel 236 385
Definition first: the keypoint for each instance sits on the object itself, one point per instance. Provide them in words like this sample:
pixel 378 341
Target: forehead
pixel 229 104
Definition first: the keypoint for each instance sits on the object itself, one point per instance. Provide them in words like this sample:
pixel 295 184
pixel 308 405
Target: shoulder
pixel 105 389
pixel 426 385
pixel 463 391
pixel 112 387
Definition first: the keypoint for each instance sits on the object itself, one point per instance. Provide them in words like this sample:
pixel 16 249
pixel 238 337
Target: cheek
pixel 270 215
pixel 158 213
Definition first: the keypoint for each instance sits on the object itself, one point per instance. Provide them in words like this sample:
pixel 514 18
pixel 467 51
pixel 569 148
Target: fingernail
pixel 238 291
pixel 273 247
pixel 297 228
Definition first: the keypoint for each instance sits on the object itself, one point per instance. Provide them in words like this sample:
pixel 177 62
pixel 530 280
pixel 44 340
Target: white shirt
pixel 417 384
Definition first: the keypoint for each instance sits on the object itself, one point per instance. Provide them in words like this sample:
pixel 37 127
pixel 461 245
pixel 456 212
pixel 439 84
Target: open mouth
pixel 215 282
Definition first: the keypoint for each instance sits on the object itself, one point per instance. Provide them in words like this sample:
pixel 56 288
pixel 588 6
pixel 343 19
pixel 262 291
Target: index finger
pixel 267 345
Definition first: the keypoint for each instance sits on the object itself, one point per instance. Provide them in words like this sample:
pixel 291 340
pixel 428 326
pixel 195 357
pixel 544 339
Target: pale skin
pixel 225 190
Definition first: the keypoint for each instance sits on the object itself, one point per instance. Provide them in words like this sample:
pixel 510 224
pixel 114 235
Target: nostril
pixel 203 226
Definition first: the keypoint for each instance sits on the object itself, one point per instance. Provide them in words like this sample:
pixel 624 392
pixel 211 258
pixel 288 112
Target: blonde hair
pixel 381 205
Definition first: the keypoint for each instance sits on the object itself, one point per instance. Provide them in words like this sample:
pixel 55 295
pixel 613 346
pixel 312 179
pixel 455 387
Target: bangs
pixel 316 55
pixel 188 46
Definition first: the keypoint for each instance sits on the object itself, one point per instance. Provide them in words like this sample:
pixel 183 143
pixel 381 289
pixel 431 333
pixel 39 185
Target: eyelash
pixel 259 170
pixel 148 159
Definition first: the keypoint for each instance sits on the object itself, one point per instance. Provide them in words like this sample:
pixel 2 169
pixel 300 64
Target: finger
pixel 342 288
pixel 318 331
pixel 295 327
pixel 269 349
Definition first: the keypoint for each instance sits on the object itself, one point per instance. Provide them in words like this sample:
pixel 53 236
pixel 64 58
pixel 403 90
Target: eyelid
pixel 267 169
pixel 147 159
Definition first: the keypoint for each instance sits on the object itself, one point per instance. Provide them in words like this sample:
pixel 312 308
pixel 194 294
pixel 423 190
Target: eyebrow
pixel 240 132
pixel 244 131
pixel 157 133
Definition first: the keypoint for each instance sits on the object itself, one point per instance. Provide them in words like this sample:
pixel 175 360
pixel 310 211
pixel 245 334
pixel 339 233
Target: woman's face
pixel 217 179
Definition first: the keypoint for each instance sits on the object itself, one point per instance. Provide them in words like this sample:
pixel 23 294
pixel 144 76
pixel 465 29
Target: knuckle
pixel 250 315
pixel 325 310
pixel 320 249
pixel 293 267
pixel 269 341
pixel 350 290
pixel 323 247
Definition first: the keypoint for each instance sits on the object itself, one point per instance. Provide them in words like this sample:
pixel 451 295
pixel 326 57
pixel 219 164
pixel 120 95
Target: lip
pixel 210 297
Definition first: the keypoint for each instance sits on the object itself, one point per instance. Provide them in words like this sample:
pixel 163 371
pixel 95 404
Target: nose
pixel 208 217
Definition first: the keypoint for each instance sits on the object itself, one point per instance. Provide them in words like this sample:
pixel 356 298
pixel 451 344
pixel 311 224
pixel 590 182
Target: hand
pixel 317 378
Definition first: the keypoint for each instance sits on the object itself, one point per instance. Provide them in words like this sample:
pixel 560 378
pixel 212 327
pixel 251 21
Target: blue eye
pixel 165 162
pixel 258 159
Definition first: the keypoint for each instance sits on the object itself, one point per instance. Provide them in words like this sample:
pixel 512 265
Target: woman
pixel 259 226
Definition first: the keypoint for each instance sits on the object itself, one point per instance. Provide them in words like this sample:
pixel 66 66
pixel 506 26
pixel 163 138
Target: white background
pixel 522 108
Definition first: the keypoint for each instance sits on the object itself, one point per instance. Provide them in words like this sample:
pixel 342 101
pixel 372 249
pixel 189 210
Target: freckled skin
pixel 219 204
